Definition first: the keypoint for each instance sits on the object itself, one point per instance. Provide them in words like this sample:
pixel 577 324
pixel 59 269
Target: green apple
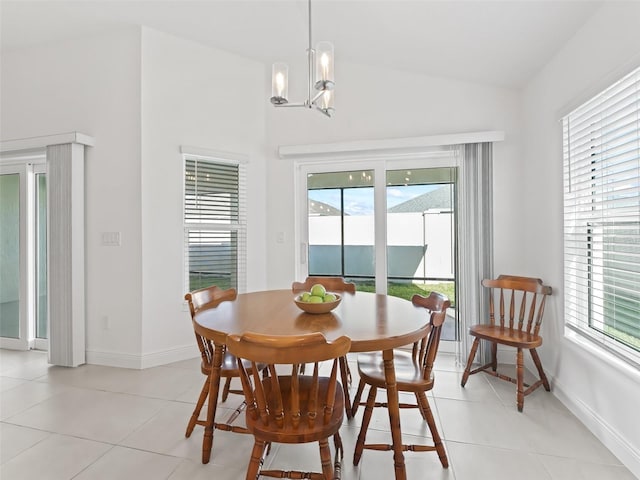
pixel 318 290
pixel 305 297
pixel 330 297
pixel 315 299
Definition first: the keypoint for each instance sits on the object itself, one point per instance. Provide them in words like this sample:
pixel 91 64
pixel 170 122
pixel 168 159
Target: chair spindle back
pixel 289 401
pixel 209 297
pixel 424 351
pixel 527 295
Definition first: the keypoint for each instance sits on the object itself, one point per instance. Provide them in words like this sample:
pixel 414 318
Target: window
pixel 602 218
pixel 214 223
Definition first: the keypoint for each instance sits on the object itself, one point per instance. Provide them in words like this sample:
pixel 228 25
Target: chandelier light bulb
pixel 324 66
pixel 324 61
pixel 279 83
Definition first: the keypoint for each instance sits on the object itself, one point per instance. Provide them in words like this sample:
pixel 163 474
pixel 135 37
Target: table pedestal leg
pixel 394 414
pixel 214 388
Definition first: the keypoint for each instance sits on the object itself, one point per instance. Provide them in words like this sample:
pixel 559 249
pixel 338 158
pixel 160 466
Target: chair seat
pixel 229 367
pixel 506 336
pixel 303 433
pixel 408 373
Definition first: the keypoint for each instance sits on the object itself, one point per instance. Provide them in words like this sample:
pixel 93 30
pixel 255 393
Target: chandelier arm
pixel 327 112
pixel 299 104
pixel 317 96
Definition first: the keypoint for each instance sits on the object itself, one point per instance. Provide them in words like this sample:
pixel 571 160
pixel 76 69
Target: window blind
pixel 214 219
pixel 601 143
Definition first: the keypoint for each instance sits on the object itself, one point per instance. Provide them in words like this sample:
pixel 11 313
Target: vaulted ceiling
pixel 500 43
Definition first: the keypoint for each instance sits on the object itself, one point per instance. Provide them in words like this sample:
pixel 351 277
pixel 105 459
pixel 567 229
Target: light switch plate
pixel 110 239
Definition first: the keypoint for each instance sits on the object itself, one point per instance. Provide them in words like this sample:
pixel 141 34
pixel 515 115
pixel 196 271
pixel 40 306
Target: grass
pixel 401 290
pixel 408 290
pixel 201 281
pixel 631 341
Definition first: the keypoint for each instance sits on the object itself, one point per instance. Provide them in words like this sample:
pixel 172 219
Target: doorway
pixel 23 261
pixel 387 226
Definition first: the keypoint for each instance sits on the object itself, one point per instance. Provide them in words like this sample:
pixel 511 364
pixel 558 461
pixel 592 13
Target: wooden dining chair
pixel 414 374
pixel 512 295
pixel 332 284
pixel 199 300
pixel 293 408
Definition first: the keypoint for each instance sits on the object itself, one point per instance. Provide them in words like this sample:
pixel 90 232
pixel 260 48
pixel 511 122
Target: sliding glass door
pixel 23 254
pixel 421 241
pixel 11 288
pixel 341 225
pixel 388 226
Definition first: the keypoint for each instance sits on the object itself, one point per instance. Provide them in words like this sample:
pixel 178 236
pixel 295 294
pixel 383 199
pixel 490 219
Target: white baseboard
pixel 138 362
pixel 113 359
pixel 169 356
pixel 618 445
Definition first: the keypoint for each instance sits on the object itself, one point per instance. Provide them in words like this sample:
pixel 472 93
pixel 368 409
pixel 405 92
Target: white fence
pixel 419 244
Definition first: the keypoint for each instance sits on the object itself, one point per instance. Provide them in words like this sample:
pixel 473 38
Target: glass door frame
pixel 38 343
pixel 303 169
pixel 25 165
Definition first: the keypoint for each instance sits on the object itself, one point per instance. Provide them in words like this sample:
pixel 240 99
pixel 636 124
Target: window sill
pixel 602 354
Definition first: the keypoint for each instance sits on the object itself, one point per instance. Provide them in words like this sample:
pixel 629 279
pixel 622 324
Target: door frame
pixel 39 343
pixel 435 158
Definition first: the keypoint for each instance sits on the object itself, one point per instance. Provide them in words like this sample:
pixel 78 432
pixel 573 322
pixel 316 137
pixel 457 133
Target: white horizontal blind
pixel 215 223
pixel 602 218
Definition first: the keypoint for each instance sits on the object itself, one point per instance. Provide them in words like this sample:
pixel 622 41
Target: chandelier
pixel 320 79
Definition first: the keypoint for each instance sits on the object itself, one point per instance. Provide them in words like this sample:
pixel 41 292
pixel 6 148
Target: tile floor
pixel 96 422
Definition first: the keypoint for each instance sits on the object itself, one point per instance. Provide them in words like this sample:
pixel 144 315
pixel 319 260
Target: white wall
pixel 92 85
pixel 604 396
pixel 141 94
pixel 374 104
pixel 202 97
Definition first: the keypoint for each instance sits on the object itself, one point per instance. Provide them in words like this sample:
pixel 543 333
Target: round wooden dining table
pixel 373 322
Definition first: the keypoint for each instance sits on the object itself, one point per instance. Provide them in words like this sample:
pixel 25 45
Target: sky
pixel 359 201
